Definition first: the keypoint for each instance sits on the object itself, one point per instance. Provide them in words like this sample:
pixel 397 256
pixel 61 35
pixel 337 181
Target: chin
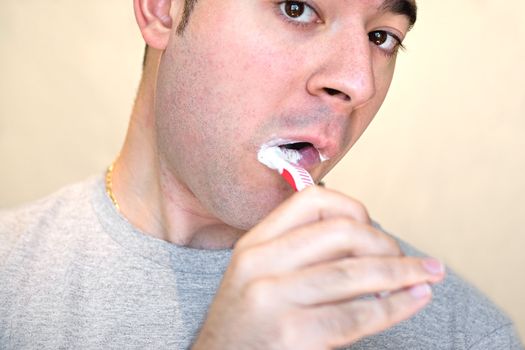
pixel 245 210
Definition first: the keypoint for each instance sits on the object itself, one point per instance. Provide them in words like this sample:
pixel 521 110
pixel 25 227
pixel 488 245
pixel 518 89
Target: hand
pixel 297 280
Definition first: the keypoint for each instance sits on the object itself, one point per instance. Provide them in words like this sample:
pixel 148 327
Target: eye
pixel 298 11
pixel 386 41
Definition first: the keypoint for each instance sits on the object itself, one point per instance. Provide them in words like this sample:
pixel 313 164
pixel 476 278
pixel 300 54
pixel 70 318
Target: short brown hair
pixel 188 8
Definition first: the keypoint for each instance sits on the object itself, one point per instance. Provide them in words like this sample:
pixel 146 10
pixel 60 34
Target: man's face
pixel 254 72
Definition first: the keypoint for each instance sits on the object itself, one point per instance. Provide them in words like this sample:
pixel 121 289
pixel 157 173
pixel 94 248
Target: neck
pixel 149 196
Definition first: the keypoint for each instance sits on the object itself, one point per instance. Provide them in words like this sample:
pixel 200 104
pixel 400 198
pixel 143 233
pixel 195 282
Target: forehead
pixel 407 8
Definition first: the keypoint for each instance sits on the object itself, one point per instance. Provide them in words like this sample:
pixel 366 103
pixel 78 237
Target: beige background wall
pixel 442 166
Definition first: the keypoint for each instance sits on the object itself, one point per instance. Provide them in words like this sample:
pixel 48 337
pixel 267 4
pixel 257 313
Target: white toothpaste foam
pixel 271 156
pixel 269 152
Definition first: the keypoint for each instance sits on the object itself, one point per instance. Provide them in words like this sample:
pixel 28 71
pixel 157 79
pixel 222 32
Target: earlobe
pixel 155 21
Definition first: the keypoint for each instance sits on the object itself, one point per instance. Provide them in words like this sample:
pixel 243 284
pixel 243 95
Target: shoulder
pixel 470 316
pixel 459 317
pixel 56 210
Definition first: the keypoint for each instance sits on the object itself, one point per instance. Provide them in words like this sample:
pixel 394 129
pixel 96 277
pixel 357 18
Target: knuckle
pixel 345 270
pixel 365 315
pixel 314 195
pixel 341 225
pixel 361 212
pixel 361 315
pixel 259 293
pixel 388 244
pixel 393 244
pixel 336 325
pixel 413 268
pixel 349 324
pixel 344 223
pixel 389 270
pixel 386 310
pixel 244 263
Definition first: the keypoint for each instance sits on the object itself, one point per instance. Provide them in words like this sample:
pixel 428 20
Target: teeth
pixel 291 155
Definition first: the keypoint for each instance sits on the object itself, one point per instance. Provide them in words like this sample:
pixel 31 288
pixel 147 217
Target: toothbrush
pixel 296 176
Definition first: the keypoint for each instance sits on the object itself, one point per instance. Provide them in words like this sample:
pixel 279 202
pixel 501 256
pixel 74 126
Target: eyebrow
pixel 402 7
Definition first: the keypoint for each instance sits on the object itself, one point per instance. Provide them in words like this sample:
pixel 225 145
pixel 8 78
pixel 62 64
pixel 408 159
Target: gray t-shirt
pixel 76 274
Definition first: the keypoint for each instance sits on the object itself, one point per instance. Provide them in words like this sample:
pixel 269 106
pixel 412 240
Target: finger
pixel 347 279
pixel 343 324
pixel 313 204
pixel 316 243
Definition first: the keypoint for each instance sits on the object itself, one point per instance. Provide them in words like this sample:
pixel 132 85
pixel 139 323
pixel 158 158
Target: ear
pixel 155 20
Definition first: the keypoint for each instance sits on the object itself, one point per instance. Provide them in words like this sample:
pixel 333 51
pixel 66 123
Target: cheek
pixel 384 75
pixel 249 69
pixel 213 94
pixel 223 94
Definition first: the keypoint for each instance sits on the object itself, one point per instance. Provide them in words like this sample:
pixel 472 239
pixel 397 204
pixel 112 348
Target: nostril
pixel 332 92
pixel 337 93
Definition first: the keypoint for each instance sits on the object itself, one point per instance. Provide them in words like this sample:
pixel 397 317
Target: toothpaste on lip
pixel 286 163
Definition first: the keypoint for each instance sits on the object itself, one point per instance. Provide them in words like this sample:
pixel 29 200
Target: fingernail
pixel 433 266
pixel 420 291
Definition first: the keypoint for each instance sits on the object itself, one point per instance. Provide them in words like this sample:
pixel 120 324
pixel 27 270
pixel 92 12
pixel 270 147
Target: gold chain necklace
pixel 109 186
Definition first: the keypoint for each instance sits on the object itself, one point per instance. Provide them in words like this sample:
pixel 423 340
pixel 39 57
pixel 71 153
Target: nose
pixel 344 78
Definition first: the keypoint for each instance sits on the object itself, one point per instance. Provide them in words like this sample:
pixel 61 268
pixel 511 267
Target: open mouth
pixel 301 153
pixel 296 152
